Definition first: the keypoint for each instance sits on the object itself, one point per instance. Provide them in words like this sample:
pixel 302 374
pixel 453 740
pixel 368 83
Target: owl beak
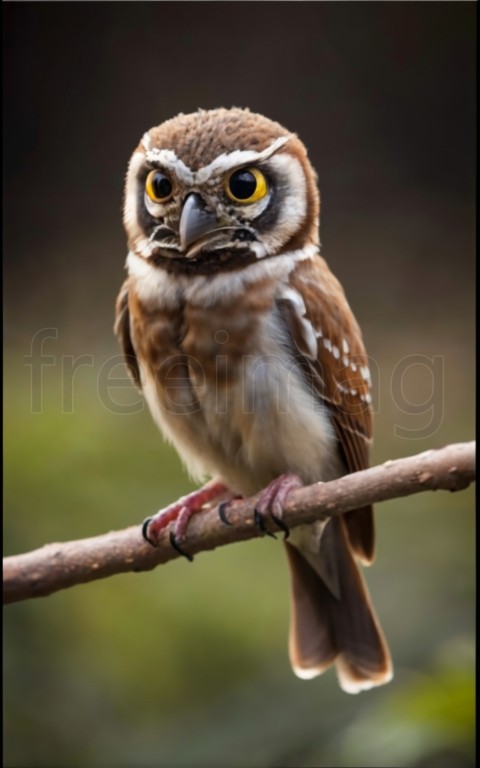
pixel 195 221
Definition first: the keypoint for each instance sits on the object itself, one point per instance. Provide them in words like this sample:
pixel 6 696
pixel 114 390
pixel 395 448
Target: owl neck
pixel 157 286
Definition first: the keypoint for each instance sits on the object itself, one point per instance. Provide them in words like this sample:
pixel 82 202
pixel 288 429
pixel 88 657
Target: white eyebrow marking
pixel 229 160
pixel 169 160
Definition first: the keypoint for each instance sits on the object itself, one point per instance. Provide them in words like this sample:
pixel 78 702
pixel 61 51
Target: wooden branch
pixel 58 566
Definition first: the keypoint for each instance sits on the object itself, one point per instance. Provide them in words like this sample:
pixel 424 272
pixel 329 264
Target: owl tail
pixel 327 629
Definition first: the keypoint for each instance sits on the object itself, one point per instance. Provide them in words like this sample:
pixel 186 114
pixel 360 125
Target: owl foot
pixel 272 500
pixel 180 513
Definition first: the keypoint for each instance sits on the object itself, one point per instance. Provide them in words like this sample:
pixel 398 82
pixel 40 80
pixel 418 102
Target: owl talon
pixel 145 535
pixel 222 512
pixel 283 526
pixel 178 548
pixel 260 523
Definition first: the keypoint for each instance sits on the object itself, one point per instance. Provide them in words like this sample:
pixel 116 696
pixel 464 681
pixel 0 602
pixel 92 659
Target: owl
pixel 251 361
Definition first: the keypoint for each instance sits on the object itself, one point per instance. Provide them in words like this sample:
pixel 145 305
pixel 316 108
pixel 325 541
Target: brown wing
pixel 327 335
pixel 122 330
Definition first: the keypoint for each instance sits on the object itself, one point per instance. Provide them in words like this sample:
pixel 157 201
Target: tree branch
pixel 58 566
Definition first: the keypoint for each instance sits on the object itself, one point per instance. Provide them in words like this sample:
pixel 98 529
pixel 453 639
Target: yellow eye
pixel 158 187
pixel 246 185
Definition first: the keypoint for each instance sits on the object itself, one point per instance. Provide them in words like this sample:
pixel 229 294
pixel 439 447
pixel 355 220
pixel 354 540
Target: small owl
pixel 251 361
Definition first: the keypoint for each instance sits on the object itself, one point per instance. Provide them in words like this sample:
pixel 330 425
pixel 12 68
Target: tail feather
pixel 325 629
pixel 361 533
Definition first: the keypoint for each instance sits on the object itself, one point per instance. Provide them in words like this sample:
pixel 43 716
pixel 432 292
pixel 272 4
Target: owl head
pixel 218 189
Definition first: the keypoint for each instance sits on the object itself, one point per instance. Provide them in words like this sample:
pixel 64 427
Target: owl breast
pixel 222 382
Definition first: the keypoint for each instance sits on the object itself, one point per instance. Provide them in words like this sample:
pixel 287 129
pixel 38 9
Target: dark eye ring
pixel 158 186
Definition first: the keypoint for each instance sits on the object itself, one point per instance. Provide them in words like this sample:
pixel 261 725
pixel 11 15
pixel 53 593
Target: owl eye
pixel 158 187
pixel 246 185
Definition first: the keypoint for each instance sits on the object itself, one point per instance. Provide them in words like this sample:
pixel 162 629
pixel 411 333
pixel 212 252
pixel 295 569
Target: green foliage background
pixel 187 665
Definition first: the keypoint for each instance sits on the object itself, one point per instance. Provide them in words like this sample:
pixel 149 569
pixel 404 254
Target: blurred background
pixel 187 665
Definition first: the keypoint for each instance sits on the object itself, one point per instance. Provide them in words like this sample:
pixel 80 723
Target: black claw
pixel 179 549
pixel 145 535
pixel 222 510
pixel 283 526
pixel 260 523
